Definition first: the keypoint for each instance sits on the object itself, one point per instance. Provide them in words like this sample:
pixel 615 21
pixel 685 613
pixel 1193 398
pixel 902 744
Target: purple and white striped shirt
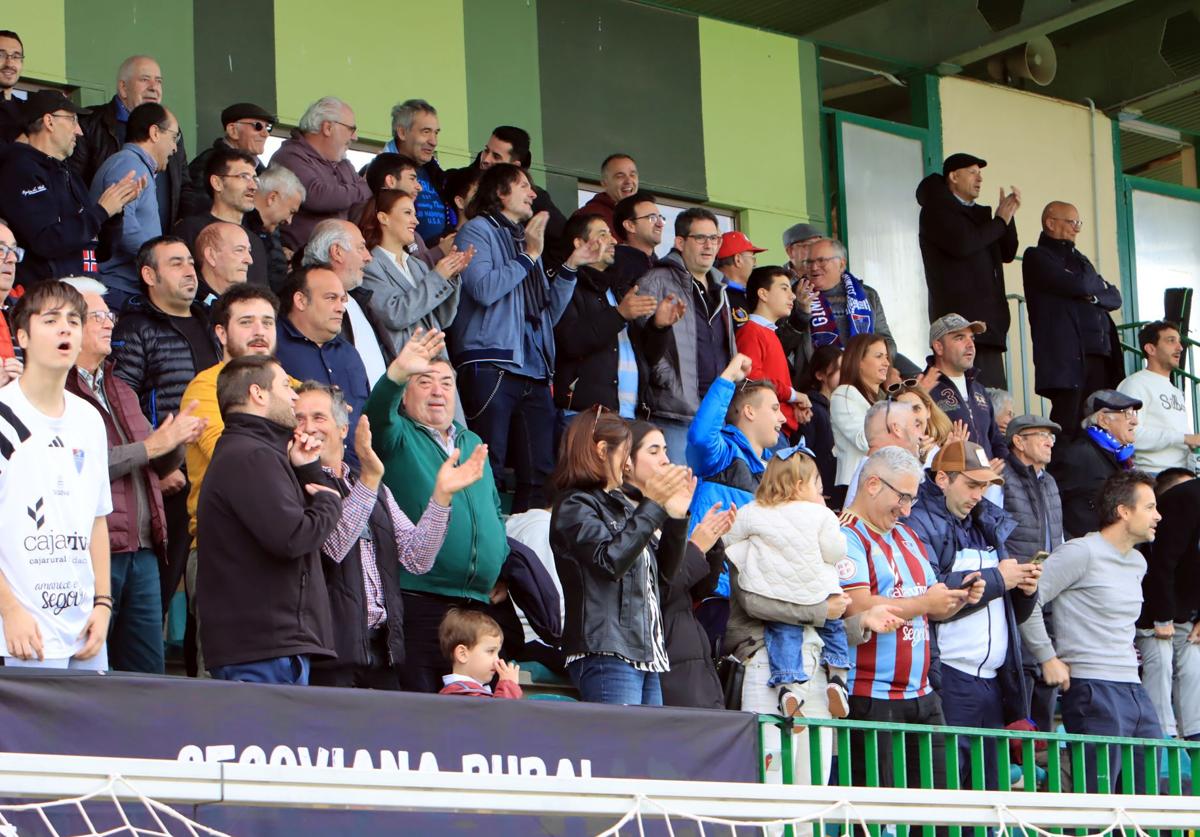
pixel 417 544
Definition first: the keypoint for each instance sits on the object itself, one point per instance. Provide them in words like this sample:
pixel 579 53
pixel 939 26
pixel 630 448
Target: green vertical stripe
pixel 235 60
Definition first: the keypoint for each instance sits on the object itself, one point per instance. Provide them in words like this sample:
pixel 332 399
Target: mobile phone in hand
pixel 1039 557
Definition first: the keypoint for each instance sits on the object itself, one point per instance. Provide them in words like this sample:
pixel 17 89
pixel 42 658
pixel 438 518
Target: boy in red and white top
pixel 471 641
pixel 55 604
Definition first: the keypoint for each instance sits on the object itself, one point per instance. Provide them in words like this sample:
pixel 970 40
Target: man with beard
pixel 243 319
pixel 264 513
pixel 951 381
pixel 1164 437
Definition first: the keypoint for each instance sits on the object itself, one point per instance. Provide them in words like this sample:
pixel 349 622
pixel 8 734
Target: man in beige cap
pixel 977 668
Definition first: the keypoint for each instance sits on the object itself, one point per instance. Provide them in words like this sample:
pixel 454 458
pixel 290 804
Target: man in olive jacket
pixel 264 514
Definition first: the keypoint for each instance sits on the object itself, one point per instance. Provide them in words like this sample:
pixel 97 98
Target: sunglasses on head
pixel 897 388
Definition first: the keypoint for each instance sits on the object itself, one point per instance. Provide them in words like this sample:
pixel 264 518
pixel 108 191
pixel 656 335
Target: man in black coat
pixel 1104 448
pixel 247 127
pixel 264 514
pixel 1076 350
pixel 593 336
pixel 964 249
pixel 139 80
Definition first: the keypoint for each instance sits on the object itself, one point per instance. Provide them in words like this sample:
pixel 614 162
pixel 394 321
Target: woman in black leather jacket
pixel 609 554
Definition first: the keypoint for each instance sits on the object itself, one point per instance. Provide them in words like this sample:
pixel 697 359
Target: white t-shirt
pixel 53 486
pixel 365 341
pixel 1163 421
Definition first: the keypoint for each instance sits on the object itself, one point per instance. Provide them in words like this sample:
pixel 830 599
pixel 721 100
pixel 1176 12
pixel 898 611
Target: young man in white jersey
pixel 55 601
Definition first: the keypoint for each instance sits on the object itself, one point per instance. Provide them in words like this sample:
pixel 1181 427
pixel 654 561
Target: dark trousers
pixel 1102 707
pixel 925 710
pixel 1042 699
pixel 1067 405
pixel 515 416
pixel 135 635
pixel 283 671
pixel 178 544
pixel 424 664
pixel 378 673
pixel 989 364
pixel 973 702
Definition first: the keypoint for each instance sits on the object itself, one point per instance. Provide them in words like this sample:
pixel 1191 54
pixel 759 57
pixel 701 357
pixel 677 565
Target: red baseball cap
pixel 736 242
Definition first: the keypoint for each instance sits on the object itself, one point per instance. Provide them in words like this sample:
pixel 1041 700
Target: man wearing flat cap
pixel 964 248
pixel 247 127
pixel 1104 448
pixel 978 672
pixel 46 204
pixel 1031 497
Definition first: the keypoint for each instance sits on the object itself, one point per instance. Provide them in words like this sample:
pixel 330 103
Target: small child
pixel 785 546
pixel 471 641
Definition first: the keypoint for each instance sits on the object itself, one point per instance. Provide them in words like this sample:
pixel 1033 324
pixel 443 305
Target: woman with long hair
pixel 405 293
pixel 692 679
pixel 610 552
pixel 864 369
pixel 821 377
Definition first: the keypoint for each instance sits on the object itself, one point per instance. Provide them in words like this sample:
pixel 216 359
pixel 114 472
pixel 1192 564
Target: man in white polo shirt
pixel 55 601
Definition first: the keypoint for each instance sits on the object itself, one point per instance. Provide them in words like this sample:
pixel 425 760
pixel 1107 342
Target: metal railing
pixel 1079 764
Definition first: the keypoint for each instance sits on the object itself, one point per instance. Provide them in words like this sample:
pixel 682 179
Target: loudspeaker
pixel 1035 61
pixel 1177 307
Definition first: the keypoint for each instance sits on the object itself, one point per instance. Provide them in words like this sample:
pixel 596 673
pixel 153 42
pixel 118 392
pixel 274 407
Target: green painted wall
pixel 242 69
pixel 757 143
pixel 102 35
pixel 42 27
pixel 620 76
pixel 373 61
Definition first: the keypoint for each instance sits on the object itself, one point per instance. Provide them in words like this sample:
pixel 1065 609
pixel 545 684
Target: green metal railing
pixel 1070 761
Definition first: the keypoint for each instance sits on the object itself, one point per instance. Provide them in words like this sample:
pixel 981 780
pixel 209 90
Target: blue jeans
pixel 784 650
pixel 135 635
pixel 285 671
pixel 503 407
pixel 603 679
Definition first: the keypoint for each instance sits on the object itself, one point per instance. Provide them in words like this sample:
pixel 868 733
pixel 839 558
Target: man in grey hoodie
pixel 1095 583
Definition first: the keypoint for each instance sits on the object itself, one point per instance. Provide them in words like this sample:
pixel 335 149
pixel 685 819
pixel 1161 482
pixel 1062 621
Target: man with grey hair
pixel 888 423
pixel 886 563
pixel 139 80
pixel 339 246
pixel 316 154
pixel 138 458
pixel 840 306
pixel 276 203
pixel 415 130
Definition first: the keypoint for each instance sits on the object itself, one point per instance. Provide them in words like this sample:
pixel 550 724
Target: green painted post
pixel 1003 764
pixel 787 754
pixel 1128 777
pixel 977 774
pixel 843 750
pixel 1104 783
pixel 816 758
pixel 952 774
pixel 871 754
pixel 1029 765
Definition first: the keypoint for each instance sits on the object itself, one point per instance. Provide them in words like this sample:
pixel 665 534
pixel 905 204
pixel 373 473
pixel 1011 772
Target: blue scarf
pixel 859 317
pixel 1105 441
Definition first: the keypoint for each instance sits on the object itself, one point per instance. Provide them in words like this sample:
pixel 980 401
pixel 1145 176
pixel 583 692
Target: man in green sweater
pixel 411 410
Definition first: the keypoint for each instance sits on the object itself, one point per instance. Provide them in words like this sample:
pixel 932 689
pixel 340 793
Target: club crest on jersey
pixel 845 569
pixel 77 455
pixel 740 317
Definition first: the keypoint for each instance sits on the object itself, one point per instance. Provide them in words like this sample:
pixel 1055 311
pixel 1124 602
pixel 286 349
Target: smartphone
pixel 968 580
pixel 1039 557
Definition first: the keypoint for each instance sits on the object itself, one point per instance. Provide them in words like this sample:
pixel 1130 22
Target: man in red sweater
pixel 769 290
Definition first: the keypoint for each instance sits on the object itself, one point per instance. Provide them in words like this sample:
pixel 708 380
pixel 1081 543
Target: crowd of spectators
pixel 311 387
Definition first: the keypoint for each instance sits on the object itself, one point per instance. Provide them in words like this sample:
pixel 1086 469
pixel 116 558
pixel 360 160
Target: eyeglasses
pixel 898 389
pixel 258 126
pixel 904 499
pixel 7 250
pixel 1074 222
pixel 1128 412
pixel 653 218
pixel 1036 434
pixel 822 260
pixel 705 239
pixel 103 317
pixel 15 56
pixel 244 176
pixel 351 128
pixel 175 134
pixel 73 117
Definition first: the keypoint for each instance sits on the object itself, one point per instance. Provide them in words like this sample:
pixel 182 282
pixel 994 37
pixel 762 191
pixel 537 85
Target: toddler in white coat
pixel 785 546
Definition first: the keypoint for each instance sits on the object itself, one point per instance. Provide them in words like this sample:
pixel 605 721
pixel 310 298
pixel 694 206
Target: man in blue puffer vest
pixel 737 421
pixel 977 658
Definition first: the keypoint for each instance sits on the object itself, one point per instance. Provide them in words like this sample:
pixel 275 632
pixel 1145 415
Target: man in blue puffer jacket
pixel 737 421
pixel 977 665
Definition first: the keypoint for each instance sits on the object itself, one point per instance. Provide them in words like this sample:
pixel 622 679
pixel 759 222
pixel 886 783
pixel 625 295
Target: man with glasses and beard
pixel 263 516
